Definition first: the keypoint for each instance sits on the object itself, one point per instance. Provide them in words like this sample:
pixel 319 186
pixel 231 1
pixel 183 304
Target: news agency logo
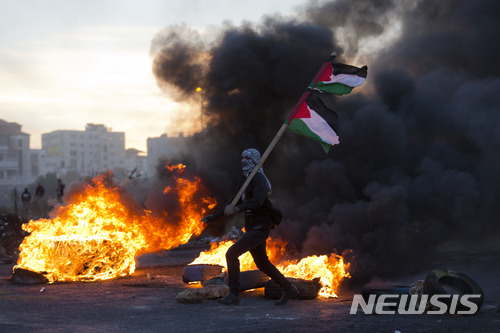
pixel 439 304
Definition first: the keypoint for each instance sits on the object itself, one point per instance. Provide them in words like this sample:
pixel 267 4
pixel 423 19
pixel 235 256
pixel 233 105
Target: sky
pixel 64 64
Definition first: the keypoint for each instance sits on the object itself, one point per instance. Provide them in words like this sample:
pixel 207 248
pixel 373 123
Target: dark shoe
pixel 230 299
pixel 288 293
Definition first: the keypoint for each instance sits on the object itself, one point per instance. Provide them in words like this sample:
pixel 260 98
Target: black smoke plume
pixel 417 166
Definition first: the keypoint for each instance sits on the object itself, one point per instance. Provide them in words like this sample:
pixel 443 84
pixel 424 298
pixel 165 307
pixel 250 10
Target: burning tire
pixel 308 289
pixel 252 280
pixel 202 272
pixel 439 279
pixel 248 280
pixel 24 276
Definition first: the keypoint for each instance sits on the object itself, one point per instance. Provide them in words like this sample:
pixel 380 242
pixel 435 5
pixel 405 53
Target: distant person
pixel 40 191
pixel 60 190
pixel 26 196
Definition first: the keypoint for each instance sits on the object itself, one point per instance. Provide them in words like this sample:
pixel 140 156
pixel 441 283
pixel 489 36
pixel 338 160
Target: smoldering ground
pixel 417 164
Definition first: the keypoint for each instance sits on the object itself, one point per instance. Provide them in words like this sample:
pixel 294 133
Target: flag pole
pixel 282 130
pixel 311 85
pixel 263 158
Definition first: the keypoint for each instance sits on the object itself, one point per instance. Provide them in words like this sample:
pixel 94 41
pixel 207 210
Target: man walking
pixel 258 223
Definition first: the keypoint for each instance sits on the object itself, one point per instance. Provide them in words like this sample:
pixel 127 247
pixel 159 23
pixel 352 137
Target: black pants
pixel 255 242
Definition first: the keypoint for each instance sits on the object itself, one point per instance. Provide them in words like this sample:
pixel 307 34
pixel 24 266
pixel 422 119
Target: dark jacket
pixel 26 196
pixel 256 205
pixel 40 191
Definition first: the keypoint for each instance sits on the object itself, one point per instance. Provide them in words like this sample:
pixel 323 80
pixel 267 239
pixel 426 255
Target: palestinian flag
pixel 339 79
pixel 316 121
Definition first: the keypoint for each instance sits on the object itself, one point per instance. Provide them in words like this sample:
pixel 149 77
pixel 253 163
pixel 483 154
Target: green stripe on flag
pixel 299 126
pixel 334 88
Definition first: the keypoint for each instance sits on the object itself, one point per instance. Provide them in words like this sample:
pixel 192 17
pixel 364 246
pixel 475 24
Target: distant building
pixel 15 156
pixel 35 156
pixel 164 147
pixel 88 152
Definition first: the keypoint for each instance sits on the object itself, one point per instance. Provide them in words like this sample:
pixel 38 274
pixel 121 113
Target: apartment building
pixel 87 153
pixel 15 156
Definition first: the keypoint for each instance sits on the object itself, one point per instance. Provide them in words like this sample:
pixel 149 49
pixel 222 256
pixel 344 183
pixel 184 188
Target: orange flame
pixel 330 269
pixel 96 236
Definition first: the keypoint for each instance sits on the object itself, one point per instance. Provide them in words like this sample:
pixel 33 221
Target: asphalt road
pixel 138 304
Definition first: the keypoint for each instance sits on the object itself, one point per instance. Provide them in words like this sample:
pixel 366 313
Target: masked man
pixel 258 210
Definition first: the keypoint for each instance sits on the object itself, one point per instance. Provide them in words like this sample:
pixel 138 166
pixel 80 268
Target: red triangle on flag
pixel 303 112
pixel 326 76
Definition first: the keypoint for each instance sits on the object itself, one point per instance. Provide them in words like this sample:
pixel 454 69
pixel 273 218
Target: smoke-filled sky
pixel 64 64
pixel 417 164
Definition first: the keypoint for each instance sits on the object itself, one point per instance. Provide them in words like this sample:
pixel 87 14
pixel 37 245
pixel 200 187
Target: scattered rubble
pixel 198 295
pixel 192 296
pixel 216 291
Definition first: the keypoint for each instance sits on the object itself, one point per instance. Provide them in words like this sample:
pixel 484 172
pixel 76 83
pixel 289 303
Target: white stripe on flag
pixel 347 79
pixel 319 126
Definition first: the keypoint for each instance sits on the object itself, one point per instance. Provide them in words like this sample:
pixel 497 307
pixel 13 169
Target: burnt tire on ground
pixel 251 280
pixel 308 289
pixel 459 283
pixel 24 276
pixel 201 272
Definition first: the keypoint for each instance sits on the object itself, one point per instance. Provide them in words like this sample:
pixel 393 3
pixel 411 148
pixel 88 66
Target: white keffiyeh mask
pixel 249 159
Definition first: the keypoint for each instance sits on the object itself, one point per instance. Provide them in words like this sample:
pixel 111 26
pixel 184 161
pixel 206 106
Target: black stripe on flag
pixel 315 102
